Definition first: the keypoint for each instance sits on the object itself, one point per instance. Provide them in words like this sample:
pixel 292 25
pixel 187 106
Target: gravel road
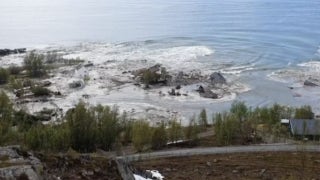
pixel 221 150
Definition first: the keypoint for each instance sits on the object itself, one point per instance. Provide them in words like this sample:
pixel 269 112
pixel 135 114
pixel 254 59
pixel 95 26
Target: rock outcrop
pixel 217 78
pixel 17 164
pixel 311 82
pixel 157 75
pixel 207 93
pixel 6 52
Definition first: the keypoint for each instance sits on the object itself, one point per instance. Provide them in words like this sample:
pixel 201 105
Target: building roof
pixel 285 121
pixel 305 126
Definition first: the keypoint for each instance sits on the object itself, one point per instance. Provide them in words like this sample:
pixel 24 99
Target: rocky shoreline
pixel 145 89
pixel 6 52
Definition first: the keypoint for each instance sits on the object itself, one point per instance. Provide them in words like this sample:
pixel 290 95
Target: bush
pixel 33 63
pixel 6 110
pixel 49 138
pixel 52 57
pixel 40 91
pixel 108 126
pixel 203 119
pixel 82 126
pixel 15 70
pixel 192 131
pixel 141 135
pixel 149 77
pixel 175 131
pixel 226 129
pixel 159 137
pixel 4 76
pixel 304 112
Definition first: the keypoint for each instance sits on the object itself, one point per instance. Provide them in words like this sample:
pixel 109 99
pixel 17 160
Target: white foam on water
pixel 11 60
pixel 179 57
pixel 300 73
pixel 234 70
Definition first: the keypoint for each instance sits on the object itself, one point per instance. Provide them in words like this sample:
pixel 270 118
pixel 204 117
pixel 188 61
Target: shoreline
pixel 109 84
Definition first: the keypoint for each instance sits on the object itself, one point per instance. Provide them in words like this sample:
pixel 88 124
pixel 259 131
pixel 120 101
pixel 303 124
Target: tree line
pixel 87 128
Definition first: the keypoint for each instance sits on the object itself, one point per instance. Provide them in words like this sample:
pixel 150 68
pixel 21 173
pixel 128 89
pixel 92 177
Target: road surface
pixel 221 150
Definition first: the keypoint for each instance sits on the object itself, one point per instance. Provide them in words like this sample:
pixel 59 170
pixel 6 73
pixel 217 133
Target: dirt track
pixel 253 165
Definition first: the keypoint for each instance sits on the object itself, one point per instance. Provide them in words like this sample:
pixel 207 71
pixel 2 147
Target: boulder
pixel 217 78
pixel 76 84
pixel 172 92
pixel 311 82
pixel 207 93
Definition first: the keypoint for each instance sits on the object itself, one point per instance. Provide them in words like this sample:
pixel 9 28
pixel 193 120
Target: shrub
pixel 40 91
pixel 108 126
pixel 82 126
pixel 304 112
pixel 52 57
pixel 192 131
pixel 49 138
pixel 159 137
pixel 175 131
pixel 15 70
pixel 226 129
pixel 33 63
pixel 141 135
pixel 149 77
pixel 4 76
pixel 6 110
pixel 203 119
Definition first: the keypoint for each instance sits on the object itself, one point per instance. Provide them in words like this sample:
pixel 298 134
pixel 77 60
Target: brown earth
pixel 267 165
pixel 79 166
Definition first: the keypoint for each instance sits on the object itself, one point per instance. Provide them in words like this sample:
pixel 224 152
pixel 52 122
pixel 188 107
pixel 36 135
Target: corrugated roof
pixel 305 127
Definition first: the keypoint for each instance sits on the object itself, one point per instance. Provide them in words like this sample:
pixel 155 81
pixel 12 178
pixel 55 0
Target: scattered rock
pixel 217 78
pixel 311 82
pixel 45 84
pixel 88 65
pixel 86 96
pixel 201 89
pixel 76 84
pixel 209 164
pixel 235 171
pixel 167 169
pixel 57 93
pixel 172 92
pixel 207 93
pixel 262 172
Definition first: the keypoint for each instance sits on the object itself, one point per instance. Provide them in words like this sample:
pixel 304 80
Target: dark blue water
pixel 271 33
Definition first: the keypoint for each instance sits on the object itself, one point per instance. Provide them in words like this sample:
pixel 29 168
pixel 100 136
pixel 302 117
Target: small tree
pixel 159 137
pixel 40 91
pixel 226 128
pixel 6 111
pixel 34 64
pixel 141 135
pixel 304 112
pixel 175 131
pixel 108 126
pixel 150 77
pixel 192 131
pixel 203 119
pixel 82 127
pixel 240 112
pixel 4 76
